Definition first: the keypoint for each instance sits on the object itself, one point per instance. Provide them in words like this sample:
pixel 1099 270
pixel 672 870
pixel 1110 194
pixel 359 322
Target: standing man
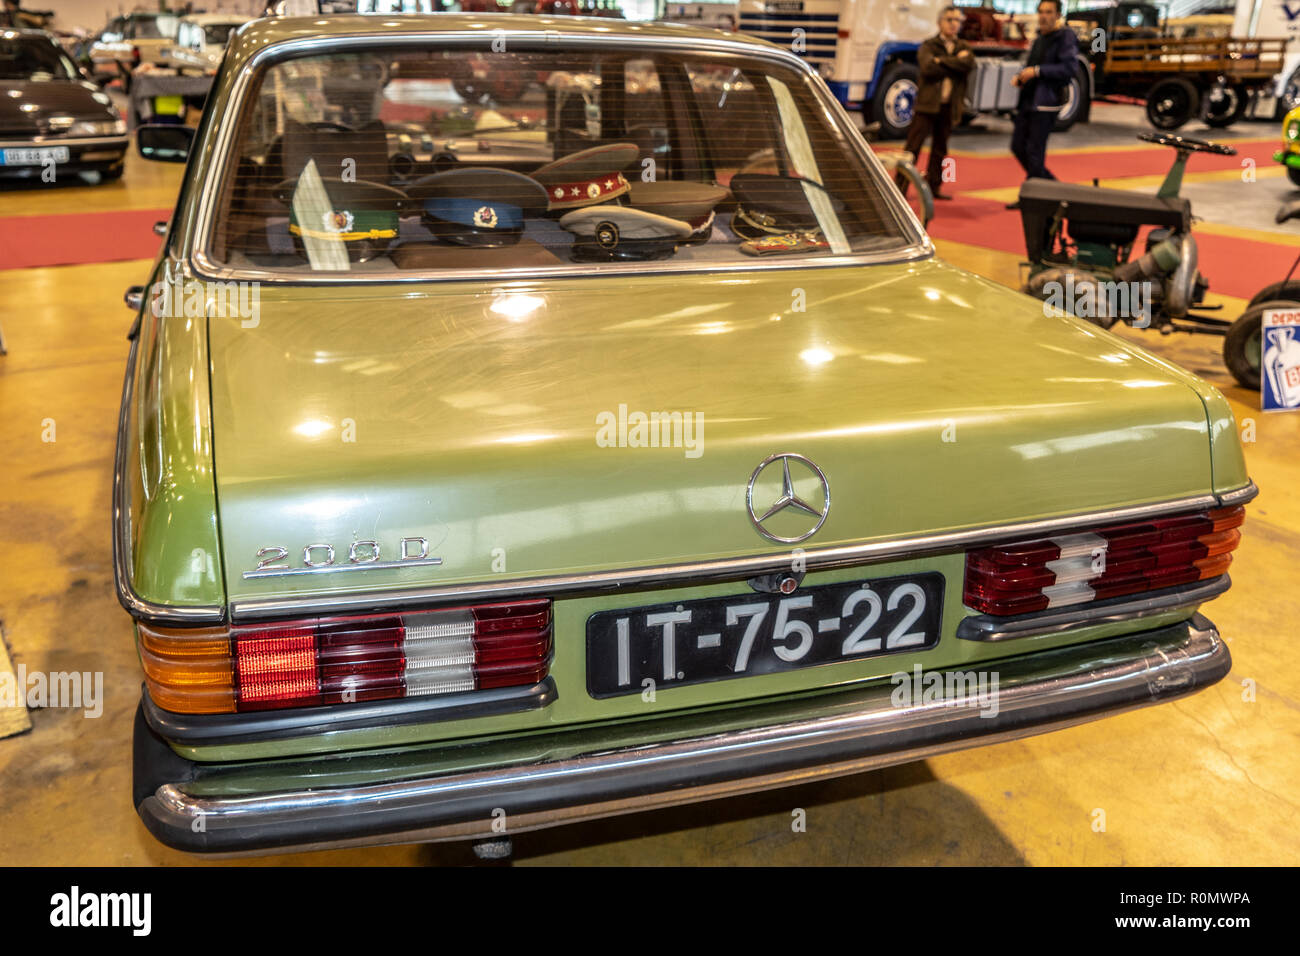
pixel 944 61
pixel 1044 82
pixel 12 16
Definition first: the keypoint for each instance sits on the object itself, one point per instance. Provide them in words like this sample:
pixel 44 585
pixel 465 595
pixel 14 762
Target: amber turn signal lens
pixel 348 659
pixel 188 670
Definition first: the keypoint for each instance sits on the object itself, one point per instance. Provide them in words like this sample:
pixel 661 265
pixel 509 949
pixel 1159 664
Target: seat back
pixel 367 147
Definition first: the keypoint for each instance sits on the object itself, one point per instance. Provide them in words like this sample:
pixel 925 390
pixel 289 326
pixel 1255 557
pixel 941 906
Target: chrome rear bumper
pixel 796 742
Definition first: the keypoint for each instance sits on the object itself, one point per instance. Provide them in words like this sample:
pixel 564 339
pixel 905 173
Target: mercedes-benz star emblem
pixel 788 499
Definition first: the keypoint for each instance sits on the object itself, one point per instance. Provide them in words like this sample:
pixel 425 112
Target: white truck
pixel 866 52
pixel 1275 18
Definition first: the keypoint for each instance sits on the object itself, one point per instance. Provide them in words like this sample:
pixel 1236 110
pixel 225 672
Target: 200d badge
pixel 413 552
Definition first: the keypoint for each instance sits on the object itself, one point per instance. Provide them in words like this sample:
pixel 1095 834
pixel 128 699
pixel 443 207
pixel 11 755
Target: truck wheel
pixel 510 87
pixel 469 89
pixel 1290 97
pixel 1172 102
pixel 1222 106
pixel 1076 99
pixel 895 100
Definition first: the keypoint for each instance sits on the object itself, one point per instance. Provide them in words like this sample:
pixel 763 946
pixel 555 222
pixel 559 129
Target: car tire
pixel 894 101
pixel 1242 346
pixel 1222 112
pixel 1076 102
pixel 1172 102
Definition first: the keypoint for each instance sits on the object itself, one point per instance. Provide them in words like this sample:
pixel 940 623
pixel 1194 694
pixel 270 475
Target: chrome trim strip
pixel 918 243
pixel 59 140
pixel 137 606
pixel 702 572
pixel 331 568
pixel 1046 691
pixel 1239 496
pixel 988 627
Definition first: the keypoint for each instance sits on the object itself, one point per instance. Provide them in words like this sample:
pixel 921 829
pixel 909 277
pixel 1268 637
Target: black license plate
pixel 690 642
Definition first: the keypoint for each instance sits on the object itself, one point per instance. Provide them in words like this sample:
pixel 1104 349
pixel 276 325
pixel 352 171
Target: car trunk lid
pixel 502 425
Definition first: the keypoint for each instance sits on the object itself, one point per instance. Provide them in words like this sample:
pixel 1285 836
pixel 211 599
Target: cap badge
pixel 337 221
pixel 606 235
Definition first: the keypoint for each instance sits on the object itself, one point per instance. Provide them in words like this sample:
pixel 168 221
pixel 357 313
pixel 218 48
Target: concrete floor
pixel 1209 780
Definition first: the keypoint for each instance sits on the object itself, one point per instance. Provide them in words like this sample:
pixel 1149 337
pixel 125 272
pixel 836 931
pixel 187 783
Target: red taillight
pixel 1102 563
pixel 340 660
pixel 135 53
pixel 410 654
pixel 278 664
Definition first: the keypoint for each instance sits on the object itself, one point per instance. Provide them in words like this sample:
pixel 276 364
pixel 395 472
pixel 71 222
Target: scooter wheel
pixel 1243 345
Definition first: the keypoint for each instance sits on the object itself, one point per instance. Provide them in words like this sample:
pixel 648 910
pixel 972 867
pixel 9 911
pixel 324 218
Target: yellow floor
pixel 1213 779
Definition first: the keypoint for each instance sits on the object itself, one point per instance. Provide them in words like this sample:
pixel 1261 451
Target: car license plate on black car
pixel 690 642
pixel 34 157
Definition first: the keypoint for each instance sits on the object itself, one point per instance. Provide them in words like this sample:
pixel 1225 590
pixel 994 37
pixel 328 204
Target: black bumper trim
pixel 210 730
pixel 1130 607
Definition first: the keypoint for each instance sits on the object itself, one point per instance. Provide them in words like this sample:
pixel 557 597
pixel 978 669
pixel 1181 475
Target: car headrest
pixel 330 145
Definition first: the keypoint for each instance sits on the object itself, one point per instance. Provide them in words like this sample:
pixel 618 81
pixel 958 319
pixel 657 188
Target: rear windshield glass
pixel 30 58
pixel 425 160
pixel 216 34
pixel 152 28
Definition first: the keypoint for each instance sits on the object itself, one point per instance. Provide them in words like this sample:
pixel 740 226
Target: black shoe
pixel 1014 205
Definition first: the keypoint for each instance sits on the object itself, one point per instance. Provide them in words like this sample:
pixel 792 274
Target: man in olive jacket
pixel 944 61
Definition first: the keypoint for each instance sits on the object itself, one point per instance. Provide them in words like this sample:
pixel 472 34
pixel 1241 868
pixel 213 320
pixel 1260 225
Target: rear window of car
pixel 418 160
pixel 31 58
pixel 216 34
pixel 151 28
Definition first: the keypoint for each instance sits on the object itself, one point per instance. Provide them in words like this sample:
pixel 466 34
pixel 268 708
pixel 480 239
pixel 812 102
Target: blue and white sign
pixel 1279 379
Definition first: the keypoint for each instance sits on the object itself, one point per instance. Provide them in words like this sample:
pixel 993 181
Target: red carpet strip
pixel 28 242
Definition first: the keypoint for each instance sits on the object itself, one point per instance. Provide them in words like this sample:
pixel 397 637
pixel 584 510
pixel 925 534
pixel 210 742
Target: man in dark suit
pixel 944 61
pixel 1044 85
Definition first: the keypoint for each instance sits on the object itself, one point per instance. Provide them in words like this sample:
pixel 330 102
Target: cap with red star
pixel 587 177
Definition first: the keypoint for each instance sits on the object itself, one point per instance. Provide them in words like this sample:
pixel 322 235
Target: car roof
pixel 207 18
pixel 259 33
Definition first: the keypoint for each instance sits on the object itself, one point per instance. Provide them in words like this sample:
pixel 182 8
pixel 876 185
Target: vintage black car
pixel 53 121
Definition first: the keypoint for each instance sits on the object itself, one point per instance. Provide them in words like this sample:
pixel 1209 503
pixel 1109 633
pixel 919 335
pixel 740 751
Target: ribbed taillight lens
pixel 1101 563
pixel 340 660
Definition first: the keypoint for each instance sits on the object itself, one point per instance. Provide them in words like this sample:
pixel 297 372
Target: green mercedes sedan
pixel 531 419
